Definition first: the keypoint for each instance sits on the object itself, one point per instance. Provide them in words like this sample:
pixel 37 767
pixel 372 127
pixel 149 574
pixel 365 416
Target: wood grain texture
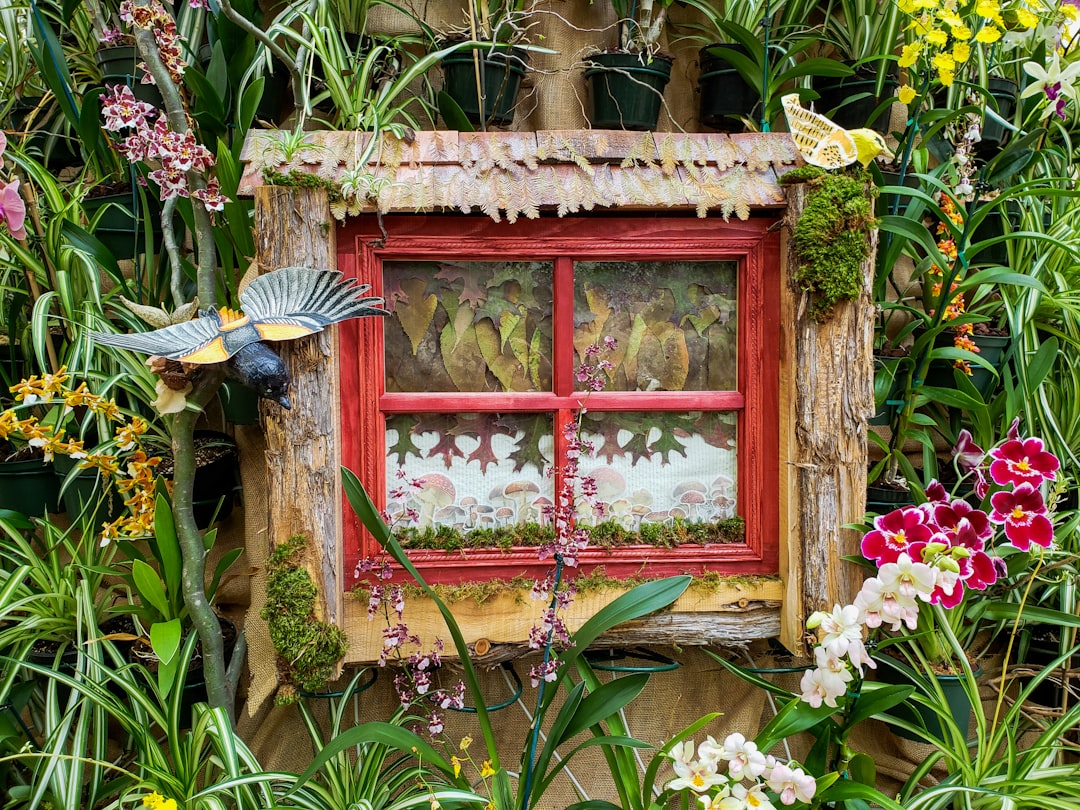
pixel 832 378
pixel 735 612
pixel 293 227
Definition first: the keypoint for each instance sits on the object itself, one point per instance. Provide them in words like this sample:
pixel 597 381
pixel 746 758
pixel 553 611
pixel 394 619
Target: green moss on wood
pixel 831 237
pixel 607 535
pixel 308 649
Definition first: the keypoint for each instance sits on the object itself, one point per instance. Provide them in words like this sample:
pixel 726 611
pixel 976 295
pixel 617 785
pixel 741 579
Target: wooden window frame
pixel 364 242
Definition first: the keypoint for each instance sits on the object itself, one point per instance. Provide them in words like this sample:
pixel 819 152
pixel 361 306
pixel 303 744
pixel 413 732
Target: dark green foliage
pixel 831 237
pixel 308 649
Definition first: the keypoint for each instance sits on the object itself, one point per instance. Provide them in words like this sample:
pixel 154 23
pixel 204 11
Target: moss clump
pixel 832 236
pixel 607 535
pixel 308 649
pixel 299 179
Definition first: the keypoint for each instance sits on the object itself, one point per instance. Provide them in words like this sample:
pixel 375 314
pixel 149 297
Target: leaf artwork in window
pixel 675 322
pixel 468 326
pixel 469 471
pixel 658 468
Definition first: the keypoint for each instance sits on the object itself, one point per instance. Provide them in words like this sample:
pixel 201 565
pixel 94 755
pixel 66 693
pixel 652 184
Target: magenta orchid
pixel 936 554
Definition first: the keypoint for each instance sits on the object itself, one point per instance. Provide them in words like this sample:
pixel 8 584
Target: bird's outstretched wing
pixel 297 301
pixel 821 142
pixel 176 342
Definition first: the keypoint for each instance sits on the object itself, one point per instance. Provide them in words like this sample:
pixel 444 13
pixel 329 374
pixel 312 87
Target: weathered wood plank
pixel 832 372
pixel 735 612
pixel 294 227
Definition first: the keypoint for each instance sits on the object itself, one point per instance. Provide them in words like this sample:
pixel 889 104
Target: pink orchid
pixel 1023 512
pixel 949 516
pixel 12 209
pixel 1020 461
pixel 967 454
pixel 893 533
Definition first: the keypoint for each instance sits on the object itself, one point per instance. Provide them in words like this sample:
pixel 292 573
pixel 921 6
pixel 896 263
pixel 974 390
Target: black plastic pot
pixel 1002 99
pixel 501 72
pixel 239 404
pixel 726 97
pixel 627 90
pixel 850 101
pixel 29 487
pixel 959 706
pixel 120 65
pixel 992 349
pixel 120 227
pixel 217 476
pixel 883 499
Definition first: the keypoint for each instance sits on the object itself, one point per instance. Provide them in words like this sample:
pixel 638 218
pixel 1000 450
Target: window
pixel 467 385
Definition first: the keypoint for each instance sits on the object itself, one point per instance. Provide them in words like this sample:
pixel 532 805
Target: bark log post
pixel 294 228
pixel 832 385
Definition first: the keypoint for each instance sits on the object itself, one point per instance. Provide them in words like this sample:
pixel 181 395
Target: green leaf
pixel 89 128
pixel 605 701
pixel 166 547
pixel 249 104
pixel 876 698
pixel 165 639
pixel 150 588
pixel 796 716
pixel 641 600
pixel 843 789
pixel 453 116
pixel 390 735
pixel 82 240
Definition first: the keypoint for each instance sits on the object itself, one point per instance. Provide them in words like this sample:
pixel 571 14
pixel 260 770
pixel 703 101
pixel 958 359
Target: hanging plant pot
pixel 120 65
pixel 726 97
pixel 121 224
pixel 627 90
pixel 29 486
pixel 992 348
pixel 1002 100
pixel 217 476
pixel 501 70
pixel 850 101
pixel 194 689
pixel 952 686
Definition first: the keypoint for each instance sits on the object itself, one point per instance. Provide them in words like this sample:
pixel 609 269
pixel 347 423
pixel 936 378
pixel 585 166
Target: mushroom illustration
pixel 451 515
pixel 435 491
pixel 692 499
pixel 642 497
pixel 505 516
pixel 610 484
pixel 469 504
pixel 620 511
pixel 519 493
pixel 541 507
pixel 723 485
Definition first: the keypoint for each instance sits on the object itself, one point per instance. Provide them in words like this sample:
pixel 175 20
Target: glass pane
pixel 656 467
pixel 675 322
pixel 468 326
pixel 473 471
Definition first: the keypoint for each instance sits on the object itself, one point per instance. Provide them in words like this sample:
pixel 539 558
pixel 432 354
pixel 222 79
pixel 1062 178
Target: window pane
pixel 675 322
pixel 475 471
pixel 656 467
pixel 468 326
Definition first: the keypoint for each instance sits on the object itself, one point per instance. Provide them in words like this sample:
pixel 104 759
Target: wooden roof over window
pixel 513 174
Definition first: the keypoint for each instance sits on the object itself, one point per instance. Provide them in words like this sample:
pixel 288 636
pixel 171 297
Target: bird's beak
pixel 889 154
pixel 284 402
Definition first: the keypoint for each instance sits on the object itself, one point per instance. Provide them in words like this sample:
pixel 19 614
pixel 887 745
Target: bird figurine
pixel 282 305
pixel 826 144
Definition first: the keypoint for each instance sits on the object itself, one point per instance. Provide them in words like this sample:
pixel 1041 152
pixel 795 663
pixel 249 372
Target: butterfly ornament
pixel 285 304
pixel 826 144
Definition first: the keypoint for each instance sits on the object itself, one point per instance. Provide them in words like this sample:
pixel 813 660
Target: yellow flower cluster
pixel 945 31
pixel 155 801
pixel 138 481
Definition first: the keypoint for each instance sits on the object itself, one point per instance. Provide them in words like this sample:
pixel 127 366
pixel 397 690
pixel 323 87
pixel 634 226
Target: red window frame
pixel 364 242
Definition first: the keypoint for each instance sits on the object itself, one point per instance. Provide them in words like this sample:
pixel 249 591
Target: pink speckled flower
pixel 1022 461
pixel 1024 514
